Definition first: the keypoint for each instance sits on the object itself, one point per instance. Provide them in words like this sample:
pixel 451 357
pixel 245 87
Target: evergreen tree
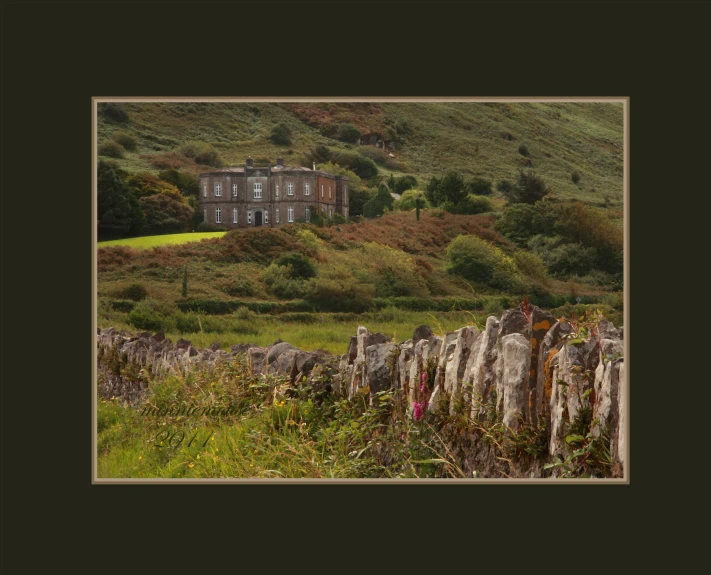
pixel 118 210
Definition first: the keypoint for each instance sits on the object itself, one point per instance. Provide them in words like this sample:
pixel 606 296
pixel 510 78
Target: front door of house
pixel 257 219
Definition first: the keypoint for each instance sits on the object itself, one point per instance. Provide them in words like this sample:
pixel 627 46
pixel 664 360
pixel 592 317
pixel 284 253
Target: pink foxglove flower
pixel 423 387
pixel 417 412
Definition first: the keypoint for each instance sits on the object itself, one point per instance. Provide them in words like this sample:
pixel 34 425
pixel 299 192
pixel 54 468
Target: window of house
pixel 204 190
pixel 307 214
pixel 291 213
pixel 276 214
pixel 218 189
pixel 257 191
pixel 204 215
pixel 234 190
pixel 329 192
pixel 330 212
pixel 290 189
pixel 266 217
pixel 234 215
pixel 307 189
pixel 218 215
pixel 322 190
pixel 249 217
pixel 277 190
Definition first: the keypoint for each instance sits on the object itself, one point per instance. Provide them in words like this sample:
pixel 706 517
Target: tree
pixel 348 133
pixel 528 189
pixel 408 200
pixel 477 260
pixel 404 183
pixel 479 187
pixel 377 205
pixel 165 214
pixel 281 135
pixel 450 190
pixel 118 210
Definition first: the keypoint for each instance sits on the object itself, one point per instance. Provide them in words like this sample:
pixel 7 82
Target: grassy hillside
pixel 476 139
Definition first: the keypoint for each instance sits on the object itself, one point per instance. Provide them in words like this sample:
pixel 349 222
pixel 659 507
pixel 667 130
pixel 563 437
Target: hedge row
pixel 218 306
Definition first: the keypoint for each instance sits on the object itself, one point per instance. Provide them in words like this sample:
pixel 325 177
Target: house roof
pixel 240 170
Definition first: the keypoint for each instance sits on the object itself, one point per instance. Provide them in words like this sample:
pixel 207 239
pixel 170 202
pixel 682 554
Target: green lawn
pixel 153 241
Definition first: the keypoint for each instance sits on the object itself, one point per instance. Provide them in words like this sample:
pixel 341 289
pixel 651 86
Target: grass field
pixel 146 242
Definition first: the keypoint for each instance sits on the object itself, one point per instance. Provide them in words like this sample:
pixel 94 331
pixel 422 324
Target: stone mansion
pixel 272 196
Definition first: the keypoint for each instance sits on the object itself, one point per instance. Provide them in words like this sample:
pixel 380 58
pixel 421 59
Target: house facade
pixel 272 196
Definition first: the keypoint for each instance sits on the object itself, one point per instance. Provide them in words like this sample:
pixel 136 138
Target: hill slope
pixel 474 138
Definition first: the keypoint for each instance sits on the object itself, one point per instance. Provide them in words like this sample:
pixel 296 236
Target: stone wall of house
pixel 524 365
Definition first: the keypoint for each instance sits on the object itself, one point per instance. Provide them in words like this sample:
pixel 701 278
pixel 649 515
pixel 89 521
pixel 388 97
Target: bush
pixel 575 176
pixel 563 259
pixel 239 287
pixel 529 189
pixel 122 305
pixel 471 204
pixel 281 135
pixel 145 316
pixel 340 294
pixel 404 183
pixel 208 227
pixel 134 292
pixel 281 283
pixel 111 149
pixel 379 203
pixel 407 200
pixel 187 184
pixel 126 140
pixel 165 214
pixel 523 150
pixel 479 261
pixel 114 112
pixel 391 271
pixel 363 167
pixel 531 265
pixel 450 190
pixel 301 266
pixel 479 187
pixel 202 153
pixel 348 133
pixel 520 222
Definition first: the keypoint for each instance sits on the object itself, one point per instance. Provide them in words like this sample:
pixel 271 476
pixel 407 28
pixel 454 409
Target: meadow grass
pixel 146 242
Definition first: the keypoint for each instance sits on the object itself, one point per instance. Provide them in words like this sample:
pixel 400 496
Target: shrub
pixel 114 112
pixel 111 149
pixel 340 294
pixel 348 133
pixel 563 259
pixel 478 260
pixel 281 135
pixel 239 287
pixel 404 183
pixel 450 190
pixel 531 265
pixel 134 292
pixel 126 140
pixel 202 153
pixel 407 200
pixel 208 227
pixel 164 214
pixel 244 313
pixel 145 316
pixel 122 305
pixel 301 266
pixel 363 167
pixel 528 189
pixel 575 176
pixel 523 150
pixel 187 184
pixel 187 323
pixel 391 271
pixel 379 203
pixel 471 204
pixel 280 282
pixel 479 187
pixel 520 222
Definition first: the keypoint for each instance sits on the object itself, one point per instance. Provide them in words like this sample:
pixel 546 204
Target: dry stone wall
pixel 524 364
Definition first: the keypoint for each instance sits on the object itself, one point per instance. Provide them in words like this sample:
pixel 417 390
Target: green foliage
pixel 404 183
pixel 469 204
pixel 523 149
pixel 145 315
pixel 111 149
pixel 210 227
pixel 202 153
pixel 363 167
pixel 382 200
pixel 281 281
pixel 126 140
pixel 348 133
pixel 143 184
pixel 239 286
pixel 118 209
pixel 575 177
pixel 520 222
pixel 528 189
pixel 531 265
pixel 187 184
pixel 113 112
pixel 563 259
pixel 281 135
pixel 479 187
pixel 450 190
pixel 134 292
pixel 392 272
pixel 165 214
pixel 357 200
pixel 407 201
pixel 301 266
pixel 478 260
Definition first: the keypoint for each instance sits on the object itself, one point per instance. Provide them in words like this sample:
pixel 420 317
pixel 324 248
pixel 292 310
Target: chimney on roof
pixel 280 162
pixel 249 161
